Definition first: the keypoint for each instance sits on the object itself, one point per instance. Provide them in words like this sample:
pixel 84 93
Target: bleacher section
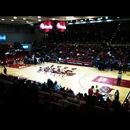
pixel 32 92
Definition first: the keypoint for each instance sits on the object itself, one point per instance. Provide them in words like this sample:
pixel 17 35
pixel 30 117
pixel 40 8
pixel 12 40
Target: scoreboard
pixel 49 26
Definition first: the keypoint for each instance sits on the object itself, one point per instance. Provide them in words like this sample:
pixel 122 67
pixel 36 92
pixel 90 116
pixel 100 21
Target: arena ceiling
pixel 22 20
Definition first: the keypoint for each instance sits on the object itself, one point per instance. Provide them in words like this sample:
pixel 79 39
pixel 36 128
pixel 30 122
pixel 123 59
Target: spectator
pixel 5 70
pixel 90 91
pixel 116 95
pixel 57 86
pixel 64 102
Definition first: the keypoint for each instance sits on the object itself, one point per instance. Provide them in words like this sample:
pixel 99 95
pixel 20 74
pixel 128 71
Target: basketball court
pixel 83 78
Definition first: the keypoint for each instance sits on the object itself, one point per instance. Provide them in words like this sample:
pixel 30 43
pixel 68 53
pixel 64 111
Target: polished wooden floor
pixel 80 82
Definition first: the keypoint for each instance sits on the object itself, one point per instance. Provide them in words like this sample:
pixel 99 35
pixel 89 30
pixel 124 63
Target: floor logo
pixel 106 89
pixel 102 79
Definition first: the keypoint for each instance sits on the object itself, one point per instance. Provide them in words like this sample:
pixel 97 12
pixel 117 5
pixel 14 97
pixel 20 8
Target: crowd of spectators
pixel 31 96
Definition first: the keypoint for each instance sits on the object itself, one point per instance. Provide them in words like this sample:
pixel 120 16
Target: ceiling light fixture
pixel 15 17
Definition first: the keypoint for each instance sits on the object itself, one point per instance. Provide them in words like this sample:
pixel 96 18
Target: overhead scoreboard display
pixel 49 26
pixel 46 26
pixel 61 26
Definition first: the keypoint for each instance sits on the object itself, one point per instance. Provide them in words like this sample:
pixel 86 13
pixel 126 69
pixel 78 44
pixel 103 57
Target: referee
pixel 119 77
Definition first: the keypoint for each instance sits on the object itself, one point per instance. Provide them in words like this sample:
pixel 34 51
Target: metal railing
pixel 75 99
